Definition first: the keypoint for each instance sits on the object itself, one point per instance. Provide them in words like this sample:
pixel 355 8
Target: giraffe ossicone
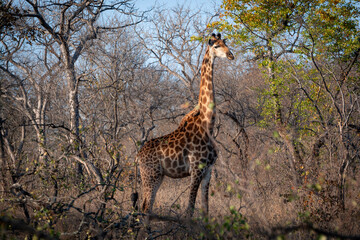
pixel 190 150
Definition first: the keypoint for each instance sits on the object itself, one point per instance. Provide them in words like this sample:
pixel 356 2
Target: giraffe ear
pixel 211 41
pixel 219 36
pixel 224 40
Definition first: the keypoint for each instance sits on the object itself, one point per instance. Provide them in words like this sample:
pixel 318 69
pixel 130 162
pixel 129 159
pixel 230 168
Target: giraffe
pixel 189 150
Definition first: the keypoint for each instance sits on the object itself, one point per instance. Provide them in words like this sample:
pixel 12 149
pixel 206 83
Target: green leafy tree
pixel 266 31
pixel 308 51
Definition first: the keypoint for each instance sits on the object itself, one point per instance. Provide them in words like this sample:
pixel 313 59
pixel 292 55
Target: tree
pixel 65 29
pixel 309 51
pixel 260 28
pixel 170 43
pixel 332 46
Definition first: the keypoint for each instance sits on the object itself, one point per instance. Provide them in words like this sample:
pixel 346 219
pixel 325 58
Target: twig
pixel 308 227
pixel 13 224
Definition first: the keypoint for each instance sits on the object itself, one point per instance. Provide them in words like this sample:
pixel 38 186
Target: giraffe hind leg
pixel 151 182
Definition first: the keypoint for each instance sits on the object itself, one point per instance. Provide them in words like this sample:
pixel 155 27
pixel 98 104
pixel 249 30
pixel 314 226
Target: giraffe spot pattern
pixel 196 140
pixel 167 162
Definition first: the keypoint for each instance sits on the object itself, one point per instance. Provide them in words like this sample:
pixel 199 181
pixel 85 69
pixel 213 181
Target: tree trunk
pixel 285 134
pixel 74 118
pixel 345 156
pixel 73 104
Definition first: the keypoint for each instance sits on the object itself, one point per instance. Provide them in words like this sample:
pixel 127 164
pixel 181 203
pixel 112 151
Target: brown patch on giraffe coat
pixel 178 171
pixel 196 140
pixel 204 124
pixel 188 136
pixel 204 108
pixel 189 128
pixel 167 162
pixel 182 169
pixel 185 152
pixel 181 161
pixel 201 131
pixel 198 148
pixel 196 129
pixel 204 100
pixel 172 151
pixel 182 142
pixel 202 115
pixel 190 147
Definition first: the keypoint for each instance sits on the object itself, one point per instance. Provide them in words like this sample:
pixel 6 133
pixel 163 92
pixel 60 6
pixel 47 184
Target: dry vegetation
pixel 80 95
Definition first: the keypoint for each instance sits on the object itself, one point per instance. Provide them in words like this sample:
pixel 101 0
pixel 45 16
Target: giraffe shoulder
pixel 189 117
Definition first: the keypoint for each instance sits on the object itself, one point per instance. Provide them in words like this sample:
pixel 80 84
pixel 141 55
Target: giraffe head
pixel 218 48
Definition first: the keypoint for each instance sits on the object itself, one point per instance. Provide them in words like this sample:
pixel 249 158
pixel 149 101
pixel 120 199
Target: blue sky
pixel 206 5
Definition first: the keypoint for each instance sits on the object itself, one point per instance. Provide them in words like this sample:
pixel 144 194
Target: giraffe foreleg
pixel 205 191
pixel 196 178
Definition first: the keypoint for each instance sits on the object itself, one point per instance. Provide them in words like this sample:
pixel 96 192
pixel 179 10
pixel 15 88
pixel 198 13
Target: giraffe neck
pixel 206 95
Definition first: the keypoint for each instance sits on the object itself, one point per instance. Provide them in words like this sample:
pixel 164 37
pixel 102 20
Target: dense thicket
pixel 85 83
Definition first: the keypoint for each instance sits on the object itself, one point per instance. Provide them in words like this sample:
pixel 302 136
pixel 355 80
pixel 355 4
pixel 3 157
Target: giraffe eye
pixel 216 46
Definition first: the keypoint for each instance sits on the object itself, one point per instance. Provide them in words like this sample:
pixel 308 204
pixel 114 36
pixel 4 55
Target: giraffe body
pixel 190 150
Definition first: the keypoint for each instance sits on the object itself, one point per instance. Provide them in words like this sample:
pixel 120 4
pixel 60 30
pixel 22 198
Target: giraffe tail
pixel 135 194
pixel 144 205
pixel 134 198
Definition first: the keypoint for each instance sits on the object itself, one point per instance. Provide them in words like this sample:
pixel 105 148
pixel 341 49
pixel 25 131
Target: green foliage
pixel 287 39
pixel 308 53
pixel 232 226
pixel 334 24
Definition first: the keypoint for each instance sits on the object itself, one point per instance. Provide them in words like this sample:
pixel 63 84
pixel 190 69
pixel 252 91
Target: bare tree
pixel 171 43
pixel 31 94
pixel 68 28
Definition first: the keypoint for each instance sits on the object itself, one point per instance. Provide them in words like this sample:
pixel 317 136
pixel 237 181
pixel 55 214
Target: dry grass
pixel 261 188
